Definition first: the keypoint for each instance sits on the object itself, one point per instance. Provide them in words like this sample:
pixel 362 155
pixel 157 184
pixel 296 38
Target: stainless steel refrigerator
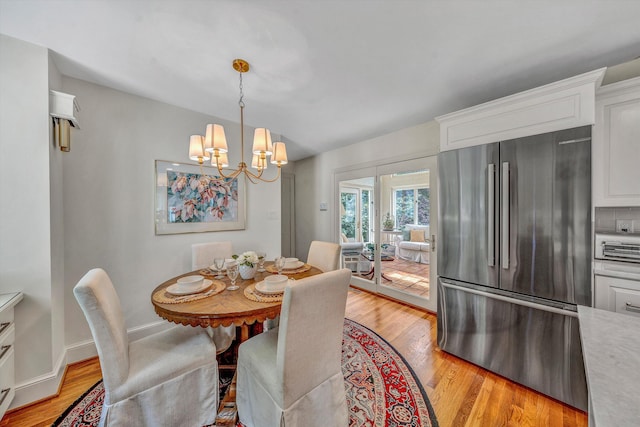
pixel 515 251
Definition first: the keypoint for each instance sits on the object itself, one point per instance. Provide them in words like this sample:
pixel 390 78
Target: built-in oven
pixel 616 271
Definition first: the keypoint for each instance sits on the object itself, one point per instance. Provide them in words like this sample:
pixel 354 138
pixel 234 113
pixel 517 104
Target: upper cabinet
pixel 616 145
pixel 565 104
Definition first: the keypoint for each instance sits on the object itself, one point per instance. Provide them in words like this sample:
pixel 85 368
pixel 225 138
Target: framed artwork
pixel 194 199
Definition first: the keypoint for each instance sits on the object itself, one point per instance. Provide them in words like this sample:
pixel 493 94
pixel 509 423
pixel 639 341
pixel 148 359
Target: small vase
pixel 247 272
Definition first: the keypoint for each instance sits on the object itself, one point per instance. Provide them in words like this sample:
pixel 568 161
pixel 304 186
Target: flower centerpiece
pixel 248 264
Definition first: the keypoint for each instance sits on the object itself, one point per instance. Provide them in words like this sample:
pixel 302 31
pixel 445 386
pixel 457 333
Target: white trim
pixel 565 104
pixel 41 386
pixel 618 88
pixel 47 384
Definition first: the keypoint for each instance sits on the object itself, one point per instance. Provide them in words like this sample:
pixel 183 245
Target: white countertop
pixel 611 350
pixel 10 299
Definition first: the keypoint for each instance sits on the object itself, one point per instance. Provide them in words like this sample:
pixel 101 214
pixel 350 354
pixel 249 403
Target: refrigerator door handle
pixel 515 301
pixel 505 216
pixel 491 194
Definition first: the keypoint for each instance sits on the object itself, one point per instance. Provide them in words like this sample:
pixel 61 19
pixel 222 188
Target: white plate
pixel 260 286
pixel 175 288
pixel 297 265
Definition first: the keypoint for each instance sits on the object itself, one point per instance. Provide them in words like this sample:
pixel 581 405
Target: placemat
pixel 164 297
pixel 272 269
pixel 250 292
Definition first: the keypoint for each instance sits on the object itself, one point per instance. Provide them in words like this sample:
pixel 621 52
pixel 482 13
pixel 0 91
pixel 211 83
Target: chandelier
pixel 214 145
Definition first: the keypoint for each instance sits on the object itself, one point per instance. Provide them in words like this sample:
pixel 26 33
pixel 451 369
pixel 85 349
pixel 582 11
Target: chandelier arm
pixel 220 171
pixel 251 178
pixel 251 174
pixel 274 179
pixel 258 176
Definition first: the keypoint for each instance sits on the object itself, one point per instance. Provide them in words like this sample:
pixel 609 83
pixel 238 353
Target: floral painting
pixel 192 198
pixel 201 198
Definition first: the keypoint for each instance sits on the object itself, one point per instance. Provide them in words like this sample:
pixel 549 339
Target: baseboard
pixel 47 385
pixel 40 387
pixel 85 349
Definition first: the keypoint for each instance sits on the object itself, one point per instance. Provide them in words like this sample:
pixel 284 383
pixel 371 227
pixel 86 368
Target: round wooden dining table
pixel 225 308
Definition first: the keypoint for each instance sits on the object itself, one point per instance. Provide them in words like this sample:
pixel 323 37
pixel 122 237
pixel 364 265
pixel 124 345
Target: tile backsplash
pixel 625 220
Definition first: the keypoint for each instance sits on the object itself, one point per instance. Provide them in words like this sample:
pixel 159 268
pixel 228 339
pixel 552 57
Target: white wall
pixel 109 199
pixel 315 176
pixel 25 229
pixel 57 232
pixel 64 213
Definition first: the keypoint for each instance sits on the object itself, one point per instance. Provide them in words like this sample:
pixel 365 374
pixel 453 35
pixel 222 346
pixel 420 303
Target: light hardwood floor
pixel 462 394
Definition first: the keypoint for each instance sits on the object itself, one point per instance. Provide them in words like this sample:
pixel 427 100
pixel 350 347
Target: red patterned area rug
pixel 382 389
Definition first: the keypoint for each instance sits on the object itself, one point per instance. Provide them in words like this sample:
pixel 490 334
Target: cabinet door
pixel 618 294
pixel 616 145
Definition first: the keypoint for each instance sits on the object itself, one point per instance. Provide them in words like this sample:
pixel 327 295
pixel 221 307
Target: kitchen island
pixel 611 350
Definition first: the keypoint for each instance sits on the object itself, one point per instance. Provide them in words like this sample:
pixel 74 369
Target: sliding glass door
pixel 386 226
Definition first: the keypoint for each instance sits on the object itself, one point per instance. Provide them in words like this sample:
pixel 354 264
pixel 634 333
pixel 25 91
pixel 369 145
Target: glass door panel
pixel 349 224
pixel 407 260
pixel 357 225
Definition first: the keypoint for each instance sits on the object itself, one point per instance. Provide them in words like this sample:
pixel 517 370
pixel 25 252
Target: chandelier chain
pixel 241 101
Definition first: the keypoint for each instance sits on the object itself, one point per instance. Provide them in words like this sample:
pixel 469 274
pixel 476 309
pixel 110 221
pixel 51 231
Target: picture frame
pixel 191 198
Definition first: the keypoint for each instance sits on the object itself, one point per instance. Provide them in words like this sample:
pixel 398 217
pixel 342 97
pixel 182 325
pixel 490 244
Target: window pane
pixel 424 204
pixel 404 203
pixel 348 217
pixel 365 215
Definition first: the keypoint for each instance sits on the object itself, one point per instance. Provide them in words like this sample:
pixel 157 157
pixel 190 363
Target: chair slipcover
pixel 202 256
pixel 292 376
pixel 324 255
pixel 168 378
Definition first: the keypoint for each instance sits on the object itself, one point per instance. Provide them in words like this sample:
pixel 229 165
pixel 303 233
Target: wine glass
pixel 261 256
pixel 218 263
pixel 279 263
pixel 232 271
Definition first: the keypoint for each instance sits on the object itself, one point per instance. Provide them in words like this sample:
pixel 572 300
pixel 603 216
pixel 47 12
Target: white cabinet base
pixel 7 339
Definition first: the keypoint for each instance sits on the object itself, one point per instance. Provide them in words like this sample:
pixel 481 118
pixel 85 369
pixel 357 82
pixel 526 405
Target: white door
pixel 407 261
pixel 393 261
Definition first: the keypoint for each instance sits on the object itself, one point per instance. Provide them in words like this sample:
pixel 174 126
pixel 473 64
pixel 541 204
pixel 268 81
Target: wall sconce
pixel 62 134
pixel 62 107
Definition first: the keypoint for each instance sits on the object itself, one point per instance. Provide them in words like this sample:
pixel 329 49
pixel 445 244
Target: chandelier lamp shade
pixel 213 145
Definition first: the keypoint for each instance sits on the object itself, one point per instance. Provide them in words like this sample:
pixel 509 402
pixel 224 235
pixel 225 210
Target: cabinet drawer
pixel 626 300
pixel 8 335
pixel 7 380
pixel 6 315
pixel 618 294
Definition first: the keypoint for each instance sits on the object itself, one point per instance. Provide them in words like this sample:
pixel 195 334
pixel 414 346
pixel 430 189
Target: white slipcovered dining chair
pixel 166 379
pixel 202 256
pixel 292 376
pixel 324 255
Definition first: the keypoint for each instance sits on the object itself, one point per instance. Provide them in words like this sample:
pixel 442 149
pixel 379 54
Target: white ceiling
pixel 327 73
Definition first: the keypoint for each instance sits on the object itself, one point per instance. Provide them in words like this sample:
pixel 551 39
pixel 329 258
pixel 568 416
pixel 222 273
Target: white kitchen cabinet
pixel 618 294
pixel 561 105
pixel 616 145
pixel 7 338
